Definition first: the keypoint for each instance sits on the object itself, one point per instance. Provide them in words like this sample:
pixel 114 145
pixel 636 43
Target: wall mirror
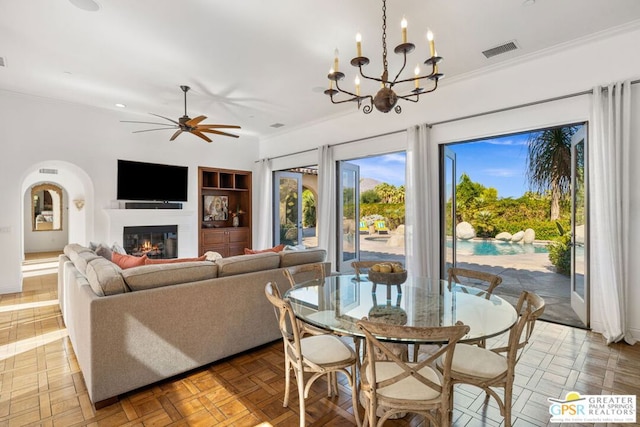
pixel 46 207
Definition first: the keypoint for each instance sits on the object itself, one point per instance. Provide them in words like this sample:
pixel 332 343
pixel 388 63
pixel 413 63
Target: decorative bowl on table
pixel 392 278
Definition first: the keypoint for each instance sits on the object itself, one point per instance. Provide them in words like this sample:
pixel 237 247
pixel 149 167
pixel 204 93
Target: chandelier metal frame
pixel 386 98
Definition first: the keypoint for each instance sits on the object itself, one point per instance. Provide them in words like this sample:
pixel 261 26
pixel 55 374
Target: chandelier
pixel 386 98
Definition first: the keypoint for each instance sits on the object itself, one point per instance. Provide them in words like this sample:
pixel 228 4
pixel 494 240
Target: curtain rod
pixel 457 119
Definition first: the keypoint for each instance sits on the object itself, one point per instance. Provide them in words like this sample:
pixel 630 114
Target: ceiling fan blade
pixel 205 126
pixel 195 121
pixel 166 118
pixel 200 135
pixel 175 135
pixel 145 123
pixel 217 132
pixel 150 130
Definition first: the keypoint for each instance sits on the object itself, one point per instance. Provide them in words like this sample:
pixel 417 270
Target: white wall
pixel 37 132
pixel 555 73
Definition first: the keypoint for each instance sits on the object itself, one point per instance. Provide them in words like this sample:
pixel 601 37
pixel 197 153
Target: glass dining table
pixel 338 302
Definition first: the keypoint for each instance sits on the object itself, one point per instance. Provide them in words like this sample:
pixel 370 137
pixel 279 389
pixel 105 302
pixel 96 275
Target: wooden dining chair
pixel 398 386
pixel 478 279
pixel 495 368
pixel 485 282
pixel 314 354
pixel 304 273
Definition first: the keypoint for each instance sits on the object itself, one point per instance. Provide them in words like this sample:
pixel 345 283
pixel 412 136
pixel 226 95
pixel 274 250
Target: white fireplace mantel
pixel 185 220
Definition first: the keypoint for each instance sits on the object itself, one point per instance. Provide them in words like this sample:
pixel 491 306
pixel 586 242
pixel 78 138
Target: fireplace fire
pixel 155 241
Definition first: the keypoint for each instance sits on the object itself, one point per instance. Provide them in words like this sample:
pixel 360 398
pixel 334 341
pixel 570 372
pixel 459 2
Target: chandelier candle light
pixel 386 98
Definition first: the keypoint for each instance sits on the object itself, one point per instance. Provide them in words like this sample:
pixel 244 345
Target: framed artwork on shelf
pixel 216 208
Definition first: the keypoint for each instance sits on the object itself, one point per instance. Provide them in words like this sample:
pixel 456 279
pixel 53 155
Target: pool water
pixel 495 247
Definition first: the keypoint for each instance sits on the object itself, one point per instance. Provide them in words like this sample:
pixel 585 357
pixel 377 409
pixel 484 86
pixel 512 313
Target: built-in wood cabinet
pixel 224 194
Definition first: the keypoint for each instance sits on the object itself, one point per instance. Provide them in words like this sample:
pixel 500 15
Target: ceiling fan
pixel 187 124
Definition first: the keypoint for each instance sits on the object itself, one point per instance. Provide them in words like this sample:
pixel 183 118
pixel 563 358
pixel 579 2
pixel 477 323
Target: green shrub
pixel 560 252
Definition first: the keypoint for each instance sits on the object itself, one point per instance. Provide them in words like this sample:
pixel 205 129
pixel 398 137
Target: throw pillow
pixel 212 256
pixel 278 248
pixel 104 251
pixel 117 248
pixel 149 261
pixel 127 261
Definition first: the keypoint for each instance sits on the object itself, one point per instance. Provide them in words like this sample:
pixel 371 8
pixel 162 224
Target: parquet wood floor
pixel 41 384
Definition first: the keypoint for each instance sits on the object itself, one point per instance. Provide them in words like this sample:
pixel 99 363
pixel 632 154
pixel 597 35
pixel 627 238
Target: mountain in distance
pixel 367 184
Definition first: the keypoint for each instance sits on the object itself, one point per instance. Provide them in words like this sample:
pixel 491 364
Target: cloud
pixel 394 158
pixel 503 172
pixel 505 141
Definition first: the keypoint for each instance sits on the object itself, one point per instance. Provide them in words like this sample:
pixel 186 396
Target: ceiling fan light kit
pixel 187 124
pixel 386 98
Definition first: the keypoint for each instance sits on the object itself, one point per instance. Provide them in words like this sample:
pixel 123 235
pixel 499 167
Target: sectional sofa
pixel 133 327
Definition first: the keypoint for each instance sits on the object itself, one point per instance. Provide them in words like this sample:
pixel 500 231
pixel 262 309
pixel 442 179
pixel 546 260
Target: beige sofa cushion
pixel 159 275
pixel 291 258
pixel 247 263
pixel 73 250
pixel 83 259
pixel 105 278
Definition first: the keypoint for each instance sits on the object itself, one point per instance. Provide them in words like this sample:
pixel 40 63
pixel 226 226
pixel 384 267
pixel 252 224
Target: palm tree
pixel 549 164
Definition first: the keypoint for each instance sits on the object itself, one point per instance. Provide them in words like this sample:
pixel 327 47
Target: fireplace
pixel 155 241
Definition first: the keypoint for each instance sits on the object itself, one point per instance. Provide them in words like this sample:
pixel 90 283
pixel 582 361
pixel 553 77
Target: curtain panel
pixel 264 235
pixel 327 203
pixel 609 157
pixel 422 230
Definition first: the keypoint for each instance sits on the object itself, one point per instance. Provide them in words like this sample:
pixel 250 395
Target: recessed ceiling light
pixel 87 5
pixel 121 105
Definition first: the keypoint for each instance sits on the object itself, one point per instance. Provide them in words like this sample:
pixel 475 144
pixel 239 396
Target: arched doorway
pixel 76 206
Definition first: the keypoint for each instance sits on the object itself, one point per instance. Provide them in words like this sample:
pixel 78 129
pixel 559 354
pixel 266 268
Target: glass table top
pixel 340 301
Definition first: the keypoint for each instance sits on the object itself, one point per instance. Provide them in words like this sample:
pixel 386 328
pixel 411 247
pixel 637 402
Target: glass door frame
pixel 580 298
pixel 352 230
pixel 446 154
pixel 277 176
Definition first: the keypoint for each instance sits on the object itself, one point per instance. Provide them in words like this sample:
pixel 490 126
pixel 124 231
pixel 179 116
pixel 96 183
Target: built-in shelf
pixel 232 190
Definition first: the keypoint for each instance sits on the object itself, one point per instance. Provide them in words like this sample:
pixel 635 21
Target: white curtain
pixel 326 212
pixel 422 234
pixel 264 236
pixel 609 157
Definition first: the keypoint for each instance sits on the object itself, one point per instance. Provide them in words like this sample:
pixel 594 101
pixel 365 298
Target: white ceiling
pixel 258 62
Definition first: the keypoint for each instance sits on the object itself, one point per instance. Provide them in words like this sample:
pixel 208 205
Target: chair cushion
pixel 325 349
pixel 477 361
pixel 408 388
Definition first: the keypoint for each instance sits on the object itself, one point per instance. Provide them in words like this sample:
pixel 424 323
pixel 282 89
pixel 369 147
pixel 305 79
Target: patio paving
pixel 519 272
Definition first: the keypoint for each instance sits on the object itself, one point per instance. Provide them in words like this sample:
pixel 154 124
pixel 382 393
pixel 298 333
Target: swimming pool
pixel 496 247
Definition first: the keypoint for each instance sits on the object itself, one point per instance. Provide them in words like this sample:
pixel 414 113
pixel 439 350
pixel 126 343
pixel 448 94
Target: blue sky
pixel 495 162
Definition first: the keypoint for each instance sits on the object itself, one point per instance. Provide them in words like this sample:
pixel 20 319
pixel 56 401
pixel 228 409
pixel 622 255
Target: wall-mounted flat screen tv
pixel 152 181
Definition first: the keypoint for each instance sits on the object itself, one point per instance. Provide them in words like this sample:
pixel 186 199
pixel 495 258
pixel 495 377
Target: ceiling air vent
pixel 3 63
pixel 277 125
pixel 49 171
pixel 499 50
